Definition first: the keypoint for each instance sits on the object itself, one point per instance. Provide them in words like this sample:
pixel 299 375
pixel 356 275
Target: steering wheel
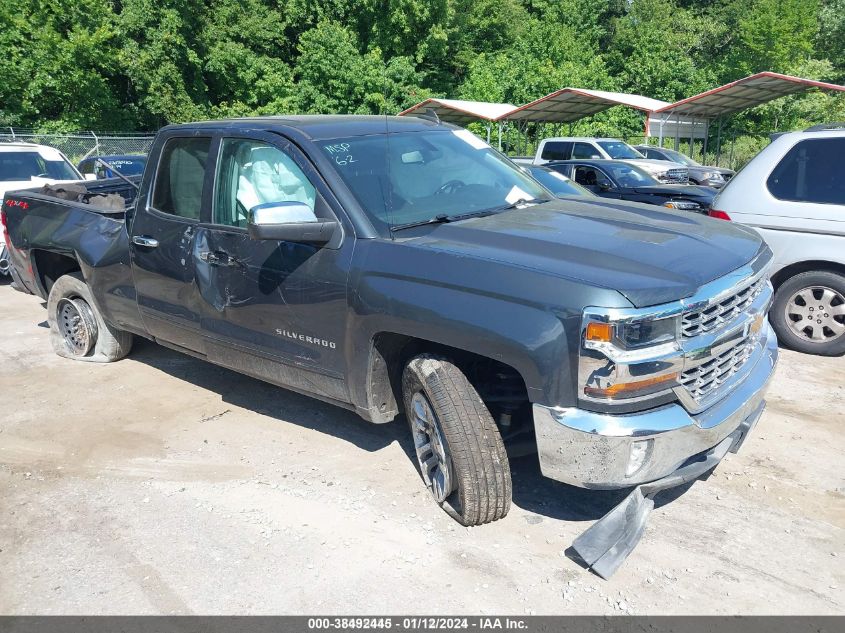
pixel 44 175
pixel 450 186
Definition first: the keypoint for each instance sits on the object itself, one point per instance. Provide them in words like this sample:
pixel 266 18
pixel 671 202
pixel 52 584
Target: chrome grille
pixel 716 314
pixel 677 175
pixel 702 380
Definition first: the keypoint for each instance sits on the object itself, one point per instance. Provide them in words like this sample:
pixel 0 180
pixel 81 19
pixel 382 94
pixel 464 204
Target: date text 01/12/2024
pixel 418 623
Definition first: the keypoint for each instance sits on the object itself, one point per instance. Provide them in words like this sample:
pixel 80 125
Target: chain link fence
pixel 79 145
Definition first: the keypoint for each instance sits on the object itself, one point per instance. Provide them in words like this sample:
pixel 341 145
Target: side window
pixel 180 176
pixel 585 151
pixel 556 150
pixel 586 176
pixel 654 154
pixel 252 173
pixel 810 172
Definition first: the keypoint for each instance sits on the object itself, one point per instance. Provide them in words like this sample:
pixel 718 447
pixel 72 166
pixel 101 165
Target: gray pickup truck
pixel 393 265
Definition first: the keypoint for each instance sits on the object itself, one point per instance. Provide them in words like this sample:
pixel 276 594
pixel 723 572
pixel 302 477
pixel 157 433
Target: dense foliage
pixel 137 64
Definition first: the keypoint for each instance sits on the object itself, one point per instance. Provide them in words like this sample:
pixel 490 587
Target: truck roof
pixel 19 146
pixel 317 126
pixel 581 138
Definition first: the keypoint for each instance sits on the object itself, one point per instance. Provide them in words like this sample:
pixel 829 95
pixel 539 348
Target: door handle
pixel 143 240
pixel 218 258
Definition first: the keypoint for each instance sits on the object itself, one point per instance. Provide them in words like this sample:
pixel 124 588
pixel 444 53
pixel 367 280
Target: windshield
pixel 618 150
pixel 680 158
pixel 557 183
pixel 630 176
pixel 28 165
pixel 415 176
pixel 128 166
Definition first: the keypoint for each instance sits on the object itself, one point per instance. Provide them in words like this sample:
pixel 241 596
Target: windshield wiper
pixel 521 202
pixel 437 219
pixel 442 219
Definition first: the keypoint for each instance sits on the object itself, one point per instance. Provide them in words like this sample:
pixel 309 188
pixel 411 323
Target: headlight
pixel 684 205
pixel 713 175
pixel 625 359
pixel 626 336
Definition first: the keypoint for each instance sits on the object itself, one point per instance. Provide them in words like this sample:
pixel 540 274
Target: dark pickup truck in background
pixel 398 264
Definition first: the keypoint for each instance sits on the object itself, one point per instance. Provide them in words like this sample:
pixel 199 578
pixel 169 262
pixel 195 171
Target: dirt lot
pixel 162 484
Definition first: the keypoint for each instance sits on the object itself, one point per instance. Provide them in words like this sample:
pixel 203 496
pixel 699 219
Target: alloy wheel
pixel 432 449
pixel 816 314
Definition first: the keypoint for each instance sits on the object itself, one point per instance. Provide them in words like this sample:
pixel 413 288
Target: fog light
pixel 640 452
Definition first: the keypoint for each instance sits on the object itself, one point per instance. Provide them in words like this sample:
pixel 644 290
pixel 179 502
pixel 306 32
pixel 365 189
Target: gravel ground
pixel 162 484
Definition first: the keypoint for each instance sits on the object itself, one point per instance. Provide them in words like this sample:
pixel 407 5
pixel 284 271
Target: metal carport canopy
pixel 744 93
pixel 461 112
pixel 570 104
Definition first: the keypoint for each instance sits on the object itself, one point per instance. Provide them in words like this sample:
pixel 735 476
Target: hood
pixel 651 256
pixel 654 166
pixel 685 191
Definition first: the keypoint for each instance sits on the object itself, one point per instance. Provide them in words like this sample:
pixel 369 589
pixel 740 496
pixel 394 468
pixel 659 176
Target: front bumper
pixel 594 450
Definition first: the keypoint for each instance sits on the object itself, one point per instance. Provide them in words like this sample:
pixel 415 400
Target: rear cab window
pixel 557 150
pixel 180 177
pixel 810 172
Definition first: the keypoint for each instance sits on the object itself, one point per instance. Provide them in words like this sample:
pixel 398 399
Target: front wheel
pixel 808 313
pixel 77 329
pixel 459 450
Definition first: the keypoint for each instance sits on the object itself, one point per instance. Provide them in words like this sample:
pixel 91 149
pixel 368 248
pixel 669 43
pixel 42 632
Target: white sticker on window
pixel 516 194
pixel 470 139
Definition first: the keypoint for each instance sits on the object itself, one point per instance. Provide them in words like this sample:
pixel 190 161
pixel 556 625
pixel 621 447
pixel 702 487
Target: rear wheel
pixel 808 313
pixel 77 330
pixel 459 450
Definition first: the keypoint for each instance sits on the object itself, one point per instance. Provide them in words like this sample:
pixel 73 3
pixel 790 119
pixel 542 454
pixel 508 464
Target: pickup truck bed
pixel 58 232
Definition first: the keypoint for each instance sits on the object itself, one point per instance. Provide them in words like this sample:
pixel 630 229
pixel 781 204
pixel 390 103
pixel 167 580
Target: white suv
pixel 570 147
pixel 26 165
pixel 793 193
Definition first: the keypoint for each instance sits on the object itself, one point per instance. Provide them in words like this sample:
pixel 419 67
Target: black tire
pixel 473 448
pixel 834 346
pixel 103 342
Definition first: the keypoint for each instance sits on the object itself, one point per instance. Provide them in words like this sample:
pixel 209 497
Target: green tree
pixel 163 59
pixel 775 35
pixel 60 67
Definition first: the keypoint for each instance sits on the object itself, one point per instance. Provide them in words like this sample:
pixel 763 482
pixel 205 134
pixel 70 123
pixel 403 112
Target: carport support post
pixel 719 142
pixel 677 131
pixel 488 132
pixel 692 134
pixel 704 148
pixel 500 135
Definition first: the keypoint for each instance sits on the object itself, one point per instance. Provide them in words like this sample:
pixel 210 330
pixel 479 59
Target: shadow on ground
pixel 531 491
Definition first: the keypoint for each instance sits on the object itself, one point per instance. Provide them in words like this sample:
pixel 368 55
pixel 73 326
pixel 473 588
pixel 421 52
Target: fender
pixel 486 308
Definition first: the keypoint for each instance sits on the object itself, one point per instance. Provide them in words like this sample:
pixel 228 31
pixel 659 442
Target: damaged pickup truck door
pixel 273 308
pixel 162 238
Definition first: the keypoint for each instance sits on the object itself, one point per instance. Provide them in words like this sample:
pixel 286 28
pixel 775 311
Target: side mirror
pixel 288 222
pixel 90 176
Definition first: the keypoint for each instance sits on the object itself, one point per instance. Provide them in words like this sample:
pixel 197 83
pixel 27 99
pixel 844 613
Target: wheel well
pixel 50 266
pixel 500 386
pixel 803 267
